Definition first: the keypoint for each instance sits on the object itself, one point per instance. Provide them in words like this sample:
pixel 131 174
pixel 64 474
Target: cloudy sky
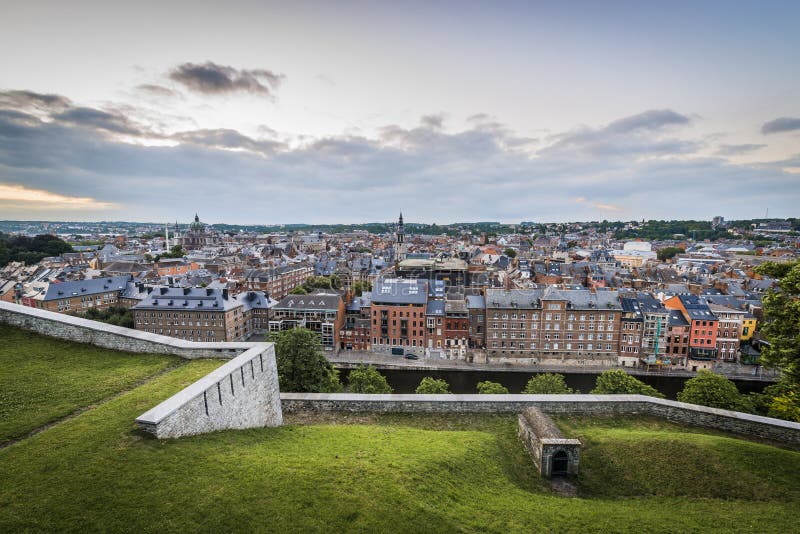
pixel 259 112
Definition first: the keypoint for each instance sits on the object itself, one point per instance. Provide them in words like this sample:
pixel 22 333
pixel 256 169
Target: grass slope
pixel 399 473
pixel 43 379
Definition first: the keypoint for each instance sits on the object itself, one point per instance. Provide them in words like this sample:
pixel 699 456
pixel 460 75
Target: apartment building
pixel 553 324
pixel 196 314
pixel 703 326
pixel 278 282
pixel 80 295
pixel 729 331
pixel 321 312
pixel 398 314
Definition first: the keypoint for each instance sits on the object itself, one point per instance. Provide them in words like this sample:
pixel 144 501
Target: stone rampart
pixel 551 452
pixel 242 393
pixel 72 328
pixel 740 423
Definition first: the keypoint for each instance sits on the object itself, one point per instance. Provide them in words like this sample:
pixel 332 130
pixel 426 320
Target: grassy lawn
pixel 43 379
pixel 399 473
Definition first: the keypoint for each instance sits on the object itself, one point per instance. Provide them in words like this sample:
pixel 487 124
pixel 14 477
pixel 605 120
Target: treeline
pixel 663 230
pixel 30 249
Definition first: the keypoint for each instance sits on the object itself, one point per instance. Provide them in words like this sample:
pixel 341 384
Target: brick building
pixel 398 314
pixel 200 314
pixel 703 325
pixel 553 324
pixel 278 281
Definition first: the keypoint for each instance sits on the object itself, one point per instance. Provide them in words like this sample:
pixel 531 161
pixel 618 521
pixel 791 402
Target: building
pixel 566 326
pixel 278 282
pixel 452 271
pixel 193 314
pixel 678 338
pixel 456 328
pixel 476 305
pixel 321 312
pixel 729 331
pixel 398 315
pixel 80 295
pixel 702 326
pixel 197 236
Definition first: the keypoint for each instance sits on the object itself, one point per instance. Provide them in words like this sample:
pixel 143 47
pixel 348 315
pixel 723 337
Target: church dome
pixel 197 226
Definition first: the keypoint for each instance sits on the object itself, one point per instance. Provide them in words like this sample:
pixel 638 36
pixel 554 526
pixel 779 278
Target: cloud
pixel 641 135
pixel 28 100
pixel 212 79
pixel 734 150
pixel 97 119
pixel 228 139
pixel 435 175
pixel 157 90
pixel 14 195
pixel 779 125
pixel 432 121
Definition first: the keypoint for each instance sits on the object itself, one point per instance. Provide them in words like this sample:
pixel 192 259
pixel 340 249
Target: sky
pixel 257 112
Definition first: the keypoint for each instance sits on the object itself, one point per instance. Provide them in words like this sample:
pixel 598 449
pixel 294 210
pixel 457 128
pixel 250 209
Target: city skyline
pixel 313 113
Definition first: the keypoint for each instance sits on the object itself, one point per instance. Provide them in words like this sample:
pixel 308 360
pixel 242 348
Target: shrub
pixel 617 381
pixel 430 385
pixel 547 383
pixel 491 388
pixel 710 389
pixel 367 380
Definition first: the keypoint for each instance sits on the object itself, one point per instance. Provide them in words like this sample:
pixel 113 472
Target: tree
pixel 668 252
pixel 367 380
pixel 510 252
pixel 430 385
pixel 617 381
pixel 710 389
pixel 782 320
pixel 298 290
pixel 547 384
pixel 491 388
pixel 302 367
pixel 572 244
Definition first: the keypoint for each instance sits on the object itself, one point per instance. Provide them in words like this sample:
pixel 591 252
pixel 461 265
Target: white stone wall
pixel 243 393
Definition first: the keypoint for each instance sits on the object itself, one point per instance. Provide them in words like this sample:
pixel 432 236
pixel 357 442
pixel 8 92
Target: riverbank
pixel 351 359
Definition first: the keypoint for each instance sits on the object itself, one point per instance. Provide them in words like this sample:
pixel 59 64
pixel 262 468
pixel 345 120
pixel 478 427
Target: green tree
pixel 302 367
pixel 510 252
pixel 572 244
pixel 367 380
pixel 491 388
pixel 668 252
pixel 782 320
pixel 547 384
pixel 617 381
pixel 430 385
pixel 298 290
pixel 785 406
pixel 710 389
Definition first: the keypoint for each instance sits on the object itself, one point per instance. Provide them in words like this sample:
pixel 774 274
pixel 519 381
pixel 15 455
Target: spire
pixel 400 222
pixel 196 218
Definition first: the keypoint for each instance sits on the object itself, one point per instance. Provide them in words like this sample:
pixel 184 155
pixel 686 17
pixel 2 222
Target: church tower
pixel 401 236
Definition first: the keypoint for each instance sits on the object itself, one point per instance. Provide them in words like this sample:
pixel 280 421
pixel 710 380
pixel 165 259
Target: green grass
pixel 43 379
pixel 398 473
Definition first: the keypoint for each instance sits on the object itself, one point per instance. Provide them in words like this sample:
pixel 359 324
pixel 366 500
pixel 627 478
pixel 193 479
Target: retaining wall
pixel 64 326
pixel 690 414
pixel 243 393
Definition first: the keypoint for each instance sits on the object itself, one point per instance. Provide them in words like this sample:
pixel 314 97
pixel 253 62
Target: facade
pixel 278 282
pixel 197 314
pixel 322 313
pixel 398 315
pixel 677 338
pixel 456 329
pixel 80 295
pixel 729 331
pixel 197 236
pixel 476 305
pixel 703 326
pixel 553 324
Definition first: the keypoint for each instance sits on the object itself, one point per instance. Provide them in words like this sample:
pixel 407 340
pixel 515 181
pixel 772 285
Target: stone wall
pixel 690 414
pixel 64 326
pixel 243 393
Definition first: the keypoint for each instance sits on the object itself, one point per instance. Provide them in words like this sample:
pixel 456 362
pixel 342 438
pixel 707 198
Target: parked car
pixel 412 357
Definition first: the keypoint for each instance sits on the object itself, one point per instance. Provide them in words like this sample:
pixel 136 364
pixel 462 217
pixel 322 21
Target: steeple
pixel 400 252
